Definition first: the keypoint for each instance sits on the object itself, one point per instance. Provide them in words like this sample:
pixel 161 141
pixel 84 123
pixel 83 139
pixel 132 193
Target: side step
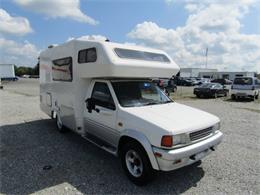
pixel 100 143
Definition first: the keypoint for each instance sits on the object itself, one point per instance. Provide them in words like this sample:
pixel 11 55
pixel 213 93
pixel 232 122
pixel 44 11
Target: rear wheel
pixel 233 97
pixel 198 95
pixel 61 128
pixel 256 97
pixel 136 163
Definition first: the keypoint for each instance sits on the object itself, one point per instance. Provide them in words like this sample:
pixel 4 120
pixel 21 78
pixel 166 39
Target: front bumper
pixel 173 159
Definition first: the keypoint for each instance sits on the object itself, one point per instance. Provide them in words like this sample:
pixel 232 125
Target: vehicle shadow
pixel 239 100
pixel 35 157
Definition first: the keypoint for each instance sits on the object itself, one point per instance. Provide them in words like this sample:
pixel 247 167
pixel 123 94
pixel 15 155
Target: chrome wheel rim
pixel 134 163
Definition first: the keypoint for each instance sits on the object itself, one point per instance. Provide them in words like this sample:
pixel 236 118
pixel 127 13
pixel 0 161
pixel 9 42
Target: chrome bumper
pixel 173 159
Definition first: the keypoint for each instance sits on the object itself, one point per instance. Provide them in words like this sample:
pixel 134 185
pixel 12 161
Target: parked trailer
pixel 7 72
pixel 104 92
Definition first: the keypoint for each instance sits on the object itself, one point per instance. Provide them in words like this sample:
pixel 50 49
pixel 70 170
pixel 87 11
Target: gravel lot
pixel 29 142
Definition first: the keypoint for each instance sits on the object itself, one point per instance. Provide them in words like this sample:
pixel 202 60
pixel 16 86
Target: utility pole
pixel 206 55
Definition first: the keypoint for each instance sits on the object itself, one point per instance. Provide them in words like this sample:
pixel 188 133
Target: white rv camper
pixel 103 91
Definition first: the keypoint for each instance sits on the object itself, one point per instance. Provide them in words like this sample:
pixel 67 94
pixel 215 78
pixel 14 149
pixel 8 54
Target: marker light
pixel 166 141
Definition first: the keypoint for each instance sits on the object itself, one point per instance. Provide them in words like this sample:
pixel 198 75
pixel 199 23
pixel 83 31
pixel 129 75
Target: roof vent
pixel 50 46
pixel 107 40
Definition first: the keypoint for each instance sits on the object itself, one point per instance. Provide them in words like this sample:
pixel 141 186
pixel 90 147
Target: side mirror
pixel 90 104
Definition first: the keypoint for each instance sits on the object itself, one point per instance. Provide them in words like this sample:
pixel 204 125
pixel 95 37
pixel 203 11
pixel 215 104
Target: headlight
pixel 216 126
pixel 173 140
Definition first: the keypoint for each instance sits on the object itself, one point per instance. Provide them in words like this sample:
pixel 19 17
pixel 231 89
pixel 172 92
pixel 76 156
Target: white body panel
pixel 7 71
pixel 165 119
pixel 146 124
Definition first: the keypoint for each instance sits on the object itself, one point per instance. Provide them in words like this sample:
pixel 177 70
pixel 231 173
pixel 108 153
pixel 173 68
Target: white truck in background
pixel 104 92
pixel 245 87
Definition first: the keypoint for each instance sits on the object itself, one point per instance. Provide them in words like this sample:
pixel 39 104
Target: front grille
pixel 200 134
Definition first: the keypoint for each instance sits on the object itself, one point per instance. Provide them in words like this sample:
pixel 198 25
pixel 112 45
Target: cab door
pixel 100 119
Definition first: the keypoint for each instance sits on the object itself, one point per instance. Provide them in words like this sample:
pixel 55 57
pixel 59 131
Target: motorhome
pixel 104 92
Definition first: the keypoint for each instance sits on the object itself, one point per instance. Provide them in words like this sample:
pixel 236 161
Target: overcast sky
pixel 230 29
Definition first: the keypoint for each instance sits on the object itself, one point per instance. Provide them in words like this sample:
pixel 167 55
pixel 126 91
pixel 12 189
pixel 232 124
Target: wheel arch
pixel 142 140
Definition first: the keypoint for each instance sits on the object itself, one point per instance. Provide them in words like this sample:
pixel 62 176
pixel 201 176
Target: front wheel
pixel 136 163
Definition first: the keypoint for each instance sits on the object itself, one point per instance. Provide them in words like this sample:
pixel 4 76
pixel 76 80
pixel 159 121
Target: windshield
pixel 139 93
pixel 243 81
pixel 207 85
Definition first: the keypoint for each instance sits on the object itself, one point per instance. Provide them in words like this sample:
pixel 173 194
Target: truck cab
pixel 136 121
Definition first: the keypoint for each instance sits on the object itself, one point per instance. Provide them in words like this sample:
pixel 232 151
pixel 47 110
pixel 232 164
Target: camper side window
pixel 62 69
pixel 102 96
pixel 87 55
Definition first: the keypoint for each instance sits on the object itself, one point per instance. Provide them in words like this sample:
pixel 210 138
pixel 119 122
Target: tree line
pixel 23 70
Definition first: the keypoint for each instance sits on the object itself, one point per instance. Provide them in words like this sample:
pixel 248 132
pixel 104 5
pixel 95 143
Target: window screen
pixel 62 69
pixel 87 55
pixel 141 55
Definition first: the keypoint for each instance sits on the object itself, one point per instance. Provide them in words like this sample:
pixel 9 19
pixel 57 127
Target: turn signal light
pixel 166 141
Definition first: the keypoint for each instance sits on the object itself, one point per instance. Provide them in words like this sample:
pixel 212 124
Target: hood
pixel 173 117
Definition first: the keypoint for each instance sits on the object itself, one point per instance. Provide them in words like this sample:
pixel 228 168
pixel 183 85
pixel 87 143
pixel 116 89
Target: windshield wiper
pixel 150 103
pixel 166 102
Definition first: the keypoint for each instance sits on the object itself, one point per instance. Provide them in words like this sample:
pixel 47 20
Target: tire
pixel 136 163
pixel 60 127
pixel 256 97
pixel 215 95
pixel 233 97
pixel 198 95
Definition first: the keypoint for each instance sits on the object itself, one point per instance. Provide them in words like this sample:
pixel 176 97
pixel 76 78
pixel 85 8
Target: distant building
pixel 194 72
pixel 213 73
pixel 7 71
pixel 226 75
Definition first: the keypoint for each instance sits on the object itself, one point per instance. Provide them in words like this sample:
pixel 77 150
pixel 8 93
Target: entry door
pixel 101 121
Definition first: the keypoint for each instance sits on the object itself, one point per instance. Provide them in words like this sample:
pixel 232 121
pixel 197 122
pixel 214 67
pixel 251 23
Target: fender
pixel 142 139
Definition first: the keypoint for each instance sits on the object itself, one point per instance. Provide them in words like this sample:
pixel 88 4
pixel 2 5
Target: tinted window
pixel 87 55
pixel 102 96
pixel 207 85
pixel 62 69
pixel 243 81
pixel 257 81
pixel 141 55
pixel 217 86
